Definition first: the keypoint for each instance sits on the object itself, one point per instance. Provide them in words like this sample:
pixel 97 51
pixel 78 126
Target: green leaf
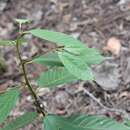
pixel 7 43
pixel 94 122
pixel 92 56
pixel 76 66
pixel 21 121
pixel 54 122
pixel 23 21
pixel 127 123
pixel 82 122
pixel 89 55
pixel 60 39
pixel 50 59
pixel 54 77
pixel 76 49
pixel 71 45
pixel 7 102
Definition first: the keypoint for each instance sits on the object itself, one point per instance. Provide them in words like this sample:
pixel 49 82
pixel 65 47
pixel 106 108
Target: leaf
pixel 7 43
pixel 54 77
pixel 82 122
pixel 89 55
pixel 76 49
pixel 21 121
pixel 127 123
pixel 71 45
pixel 76 66
pixel 92 56
pixel 50 59
pixel 54 122
pixel 94 122
pixel 113 46
pixel 23 21
pixel 60 39
pixel 7 102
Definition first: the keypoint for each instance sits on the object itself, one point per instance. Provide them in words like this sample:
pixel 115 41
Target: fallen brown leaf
pixel 113 45
pixel 67 18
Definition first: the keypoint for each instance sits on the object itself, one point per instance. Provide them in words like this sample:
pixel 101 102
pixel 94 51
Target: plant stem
pixel 37 103
pixel 49 51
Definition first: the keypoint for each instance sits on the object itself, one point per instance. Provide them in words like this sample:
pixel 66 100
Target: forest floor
pixel 101 24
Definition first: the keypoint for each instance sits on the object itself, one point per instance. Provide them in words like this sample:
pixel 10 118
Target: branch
pixel 37 103
pixel 123 112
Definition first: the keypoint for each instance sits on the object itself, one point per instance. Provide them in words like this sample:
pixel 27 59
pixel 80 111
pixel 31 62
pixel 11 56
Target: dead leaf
pixel 107 75
pixel 113 45
pixel 67 18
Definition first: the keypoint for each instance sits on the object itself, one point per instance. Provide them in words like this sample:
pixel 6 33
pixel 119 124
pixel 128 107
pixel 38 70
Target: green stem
pixel 37 103
pixel 52 50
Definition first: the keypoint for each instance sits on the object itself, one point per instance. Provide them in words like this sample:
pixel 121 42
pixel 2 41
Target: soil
pixel 94 22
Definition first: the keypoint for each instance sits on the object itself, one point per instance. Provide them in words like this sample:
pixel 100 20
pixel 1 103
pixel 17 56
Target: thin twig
pixel 103 106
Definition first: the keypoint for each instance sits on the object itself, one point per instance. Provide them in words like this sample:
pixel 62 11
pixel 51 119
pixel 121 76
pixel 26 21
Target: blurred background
pixel 101 24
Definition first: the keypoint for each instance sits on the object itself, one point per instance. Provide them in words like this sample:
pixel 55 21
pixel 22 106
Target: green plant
pixel 69 61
